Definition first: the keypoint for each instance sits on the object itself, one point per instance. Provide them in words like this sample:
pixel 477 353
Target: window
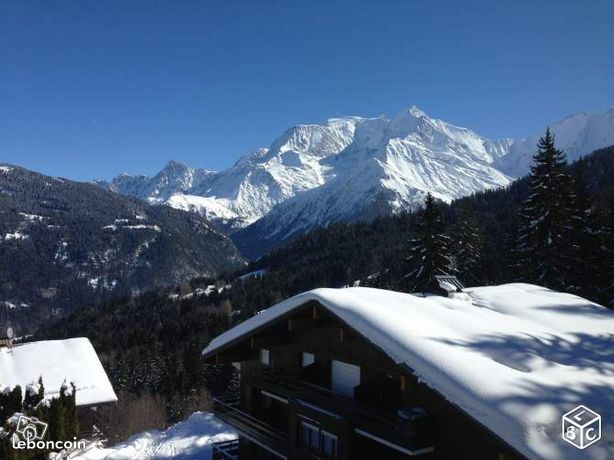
pixel 307 359
pixel 329 444
pixel 310 436
pixel 345 377
pixel 265 356
pixel 318 441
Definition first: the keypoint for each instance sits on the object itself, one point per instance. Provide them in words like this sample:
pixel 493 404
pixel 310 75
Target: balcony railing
pixel 414 435
pixel 225 450
pixel 257 431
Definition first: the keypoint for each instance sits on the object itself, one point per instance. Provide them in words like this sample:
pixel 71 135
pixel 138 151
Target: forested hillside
pixel 152 343
pixel 65 244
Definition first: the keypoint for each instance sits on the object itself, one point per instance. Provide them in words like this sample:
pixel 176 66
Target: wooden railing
pixel 225 450
pixel 251 427
pixel 386 424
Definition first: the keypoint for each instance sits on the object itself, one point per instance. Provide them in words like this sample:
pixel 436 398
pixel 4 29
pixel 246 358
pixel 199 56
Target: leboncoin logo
pixel 30 434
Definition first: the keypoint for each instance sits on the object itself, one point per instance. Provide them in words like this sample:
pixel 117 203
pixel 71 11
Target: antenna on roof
pixel 449 283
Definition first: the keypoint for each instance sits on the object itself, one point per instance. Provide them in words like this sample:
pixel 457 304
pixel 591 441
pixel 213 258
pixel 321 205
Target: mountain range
pixel 65 244
pixel 352 168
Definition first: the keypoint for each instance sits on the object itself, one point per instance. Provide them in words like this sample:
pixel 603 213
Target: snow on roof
pixel 73 360
pixel 516 357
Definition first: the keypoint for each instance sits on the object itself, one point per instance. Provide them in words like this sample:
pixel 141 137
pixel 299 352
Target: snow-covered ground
pixel 187 440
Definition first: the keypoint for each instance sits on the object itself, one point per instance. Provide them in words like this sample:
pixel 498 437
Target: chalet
pixel 59 361
pixel 361 373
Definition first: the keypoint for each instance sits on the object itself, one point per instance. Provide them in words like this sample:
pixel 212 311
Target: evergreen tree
pixel 54 416
pixel 68 394
pixel 10 402
pixel 467 247
pixel 546 220
pixel 34 395
pixel 507 267
pixel 429 252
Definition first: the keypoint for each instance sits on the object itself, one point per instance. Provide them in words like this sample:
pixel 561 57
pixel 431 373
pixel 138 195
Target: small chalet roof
pixel 515 357
pixel 71 360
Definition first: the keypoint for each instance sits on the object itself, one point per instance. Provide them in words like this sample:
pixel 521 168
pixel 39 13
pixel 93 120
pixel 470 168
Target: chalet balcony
pixel 257 431
pixel 410 430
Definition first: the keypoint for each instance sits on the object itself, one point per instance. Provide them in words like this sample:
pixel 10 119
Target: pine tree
pixel 55 419
pixel 546 220
pixel 68 395
pixel 34 395
pixel 10 402
pixel 429 252
pixel 467 247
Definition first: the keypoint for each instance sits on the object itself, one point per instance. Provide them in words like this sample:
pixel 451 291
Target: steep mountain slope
pixel 575 135
pixel 65 243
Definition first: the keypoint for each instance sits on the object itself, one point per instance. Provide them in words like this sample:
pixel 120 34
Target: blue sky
pixel 90 88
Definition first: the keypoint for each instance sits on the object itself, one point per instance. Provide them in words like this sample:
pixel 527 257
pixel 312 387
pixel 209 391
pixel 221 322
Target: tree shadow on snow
pixel 584 351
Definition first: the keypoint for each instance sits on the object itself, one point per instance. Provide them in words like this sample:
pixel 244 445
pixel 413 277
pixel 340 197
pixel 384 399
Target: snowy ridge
pixel 516 357
pixel 258 181
pixel 173 179
pixel 390 163
pixel 355 168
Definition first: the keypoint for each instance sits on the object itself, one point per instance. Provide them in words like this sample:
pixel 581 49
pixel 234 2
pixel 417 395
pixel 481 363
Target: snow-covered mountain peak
pixel 407 121
pixel 417 130
pixel 316 140
pixel 389 166
pixel 175 165
pixel 355 168
pixel 416 112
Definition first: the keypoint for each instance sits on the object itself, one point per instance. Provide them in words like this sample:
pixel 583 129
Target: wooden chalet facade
pixel 312 387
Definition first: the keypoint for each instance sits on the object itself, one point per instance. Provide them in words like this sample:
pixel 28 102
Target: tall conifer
pixel 546 220
pixel 429 252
